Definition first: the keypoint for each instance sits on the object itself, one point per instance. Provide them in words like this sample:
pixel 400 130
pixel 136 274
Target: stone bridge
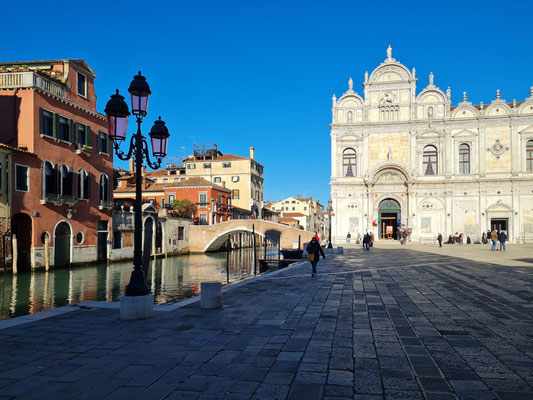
pixel 204 238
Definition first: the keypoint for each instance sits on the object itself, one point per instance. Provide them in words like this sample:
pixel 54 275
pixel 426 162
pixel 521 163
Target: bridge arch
pixel 205 238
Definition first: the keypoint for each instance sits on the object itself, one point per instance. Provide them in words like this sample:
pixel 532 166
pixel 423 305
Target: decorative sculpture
pixel 497 94
pixel 350 84
pixel 389 52
pixel 464 96
pixel 431 78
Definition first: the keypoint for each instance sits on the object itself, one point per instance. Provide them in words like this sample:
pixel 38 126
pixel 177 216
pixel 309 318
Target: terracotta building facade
pixel 62 193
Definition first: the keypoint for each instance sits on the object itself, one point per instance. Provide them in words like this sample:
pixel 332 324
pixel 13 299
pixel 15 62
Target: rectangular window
pixel 202 218
pixel 47 127
pixel 191 166
pixel 181 230
pixel 235 179
pixel 82 85
pixel 162 203
pixel 64 129
pixel 165 180
pixel 80 133
pixel 22 178
pixel 117 239
pixel 226 165
pixel 102 225
pixel 235 194
pixel 103 142
pixel 217 179
pixel 202 199
pixel 207 165
pixel 171 198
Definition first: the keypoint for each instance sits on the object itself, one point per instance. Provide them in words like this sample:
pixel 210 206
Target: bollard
pixel 211 295
pixel 340 250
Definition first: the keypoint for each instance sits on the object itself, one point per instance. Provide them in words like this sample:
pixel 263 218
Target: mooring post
pixel 265 250
pixel 14 245
pixel 47 253
pixel 228 243
pixel 255 255
pixel 279 250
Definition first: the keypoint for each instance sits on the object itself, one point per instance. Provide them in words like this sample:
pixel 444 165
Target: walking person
pixel 314 250
pixel 502 237
pixel 489 233
pixel 439 239
pixel 484 238
pixel 371 239
pixel 493 238
pixel 348 237
pixel 366 242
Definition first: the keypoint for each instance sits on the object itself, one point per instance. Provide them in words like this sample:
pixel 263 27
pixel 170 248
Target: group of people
pixel 493 237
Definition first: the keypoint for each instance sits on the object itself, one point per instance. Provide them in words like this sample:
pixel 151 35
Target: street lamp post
pixel 330 213
pixel 117 118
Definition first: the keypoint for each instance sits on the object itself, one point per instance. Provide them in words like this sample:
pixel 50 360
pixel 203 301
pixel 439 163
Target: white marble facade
pixel 461 169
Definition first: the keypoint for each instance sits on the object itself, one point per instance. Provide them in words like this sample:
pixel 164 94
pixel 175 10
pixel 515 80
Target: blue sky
pixel 262 73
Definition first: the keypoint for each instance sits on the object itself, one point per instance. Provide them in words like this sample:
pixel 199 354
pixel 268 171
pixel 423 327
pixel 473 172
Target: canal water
pixel 170 279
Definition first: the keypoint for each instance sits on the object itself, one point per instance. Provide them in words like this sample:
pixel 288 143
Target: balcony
pixel 30 79
pixel 105 204
pixel 58 199
pixel 123 221
pixel 84 149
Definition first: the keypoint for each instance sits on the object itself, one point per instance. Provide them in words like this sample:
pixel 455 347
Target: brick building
pixel 62 189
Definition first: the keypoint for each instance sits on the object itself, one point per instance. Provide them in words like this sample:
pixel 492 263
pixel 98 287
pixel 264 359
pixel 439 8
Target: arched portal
pixel 389 213
pixel 21 226
pixel 62 245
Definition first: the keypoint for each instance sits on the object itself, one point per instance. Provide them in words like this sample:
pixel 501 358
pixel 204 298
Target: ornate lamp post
pixel 117 119
pixel 330 213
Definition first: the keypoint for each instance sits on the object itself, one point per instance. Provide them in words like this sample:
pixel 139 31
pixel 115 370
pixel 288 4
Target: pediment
pixel 429 134
pixel 464 133
pixel 528 129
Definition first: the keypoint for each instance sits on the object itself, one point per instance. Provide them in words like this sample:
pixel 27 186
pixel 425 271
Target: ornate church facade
pixel 407 160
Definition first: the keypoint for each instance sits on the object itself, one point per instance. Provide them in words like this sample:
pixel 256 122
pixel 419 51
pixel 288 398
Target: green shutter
pixel 109 145
pixel 88 135
pixel 70 130
pixel 41 127
pixel 75 135
pixel 55 125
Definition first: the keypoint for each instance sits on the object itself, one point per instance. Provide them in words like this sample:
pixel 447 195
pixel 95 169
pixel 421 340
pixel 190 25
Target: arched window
pixel 464 159
pixel 65 180
pixel 83 184
pixel 529 156
pixel 349 161
pixel 49 179
pixel 104 187
pixel 430 161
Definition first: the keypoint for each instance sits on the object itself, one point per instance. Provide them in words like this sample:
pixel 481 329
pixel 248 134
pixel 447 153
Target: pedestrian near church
pixel 314 250
pixel 371 239
pixel 494 239
pixel 439 239
pixel 366 242
pixel 502 238
pixel 348 237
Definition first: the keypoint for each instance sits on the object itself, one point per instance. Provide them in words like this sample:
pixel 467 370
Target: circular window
pixel 79 238
pixel 43 237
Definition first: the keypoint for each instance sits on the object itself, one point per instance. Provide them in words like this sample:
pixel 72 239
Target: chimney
pixel 132 165
pixel 298 197
pixel 144 171
pixel 252 153
pixel 224 184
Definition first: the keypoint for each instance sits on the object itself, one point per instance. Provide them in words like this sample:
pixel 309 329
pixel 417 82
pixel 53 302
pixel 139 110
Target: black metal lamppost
pixel 330 213
pixel 117 119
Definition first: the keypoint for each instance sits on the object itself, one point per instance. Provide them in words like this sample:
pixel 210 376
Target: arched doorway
pixel 62 244
pixel 389 214
pixel 21 226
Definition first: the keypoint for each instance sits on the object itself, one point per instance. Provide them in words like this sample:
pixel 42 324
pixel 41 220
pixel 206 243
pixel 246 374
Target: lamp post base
pixel 136 307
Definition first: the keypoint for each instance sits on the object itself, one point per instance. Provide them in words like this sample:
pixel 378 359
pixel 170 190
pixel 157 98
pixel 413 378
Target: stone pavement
pixel 392 323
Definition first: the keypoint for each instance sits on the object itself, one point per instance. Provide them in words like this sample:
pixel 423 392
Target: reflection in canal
pixel 172 278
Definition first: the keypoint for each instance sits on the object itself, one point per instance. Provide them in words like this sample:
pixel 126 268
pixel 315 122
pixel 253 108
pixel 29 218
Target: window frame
pixel 529 155
pixel 101 196
pixel 191 166
pixel 27 178
pixel 44 118
pixel 427 160
pixel 226 164
pixel 349 162
pixel 464 159
pixel 235 194
pixel 84 94
pixel 68 124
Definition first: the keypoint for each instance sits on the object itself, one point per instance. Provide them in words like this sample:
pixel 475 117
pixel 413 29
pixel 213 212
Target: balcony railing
pixel 105 204
pixel 123 221
pixel 30 79
pixel 58 199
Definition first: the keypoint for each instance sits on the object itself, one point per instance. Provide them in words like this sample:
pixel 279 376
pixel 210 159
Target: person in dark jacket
pixel 502 238
pixel 366 242
pixel 314 248
pixel 439 239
